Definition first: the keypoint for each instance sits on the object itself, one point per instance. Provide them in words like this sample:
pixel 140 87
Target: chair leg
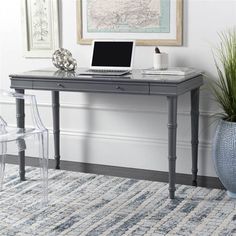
pixel 2 163
pixel 43 154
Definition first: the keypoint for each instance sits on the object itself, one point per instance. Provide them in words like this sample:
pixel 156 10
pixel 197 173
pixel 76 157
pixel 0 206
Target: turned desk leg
pixel 56 126
pixel 194 128
pixel 20 119
pixel 172 130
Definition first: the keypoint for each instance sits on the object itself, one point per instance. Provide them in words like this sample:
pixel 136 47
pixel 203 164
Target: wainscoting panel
pixel 133 135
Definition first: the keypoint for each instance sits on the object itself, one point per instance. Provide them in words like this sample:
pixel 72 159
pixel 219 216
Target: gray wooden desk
pixel 136 83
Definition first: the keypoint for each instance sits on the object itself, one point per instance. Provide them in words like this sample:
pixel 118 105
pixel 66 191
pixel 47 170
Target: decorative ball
pixel 63 60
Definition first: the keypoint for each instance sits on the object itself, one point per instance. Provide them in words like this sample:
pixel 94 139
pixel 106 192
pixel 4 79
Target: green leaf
pixel 224 89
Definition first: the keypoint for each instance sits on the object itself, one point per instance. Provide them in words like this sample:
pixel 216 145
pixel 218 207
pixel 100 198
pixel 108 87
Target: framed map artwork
pixel 40 24
pixel 149 22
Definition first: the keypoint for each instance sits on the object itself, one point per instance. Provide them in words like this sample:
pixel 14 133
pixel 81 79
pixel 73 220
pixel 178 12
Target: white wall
pixel 128 131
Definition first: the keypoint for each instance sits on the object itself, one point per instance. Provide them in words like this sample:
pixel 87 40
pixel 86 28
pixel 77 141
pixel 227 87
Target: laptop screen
pixel 112 53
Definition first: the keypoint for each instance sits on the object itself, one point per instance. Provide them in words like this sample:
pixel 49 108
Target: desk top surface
pixel 135 76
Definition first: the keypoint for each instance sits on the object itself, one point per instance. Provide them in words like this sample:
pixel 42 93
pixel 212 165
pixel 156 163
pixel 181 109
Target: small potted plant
pixel 224 90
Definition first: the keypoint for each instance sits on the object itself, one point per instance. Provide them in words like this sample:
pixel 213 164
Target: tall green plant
pixel 224 89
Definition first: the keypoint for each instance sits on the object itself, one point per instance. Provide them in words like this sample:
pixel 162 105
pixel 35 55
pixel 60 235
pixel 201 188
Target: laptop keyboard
pixel 106 71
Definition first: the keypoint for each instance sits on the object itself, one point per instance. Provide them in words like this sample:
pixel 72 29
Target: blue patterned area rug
pixel 88 204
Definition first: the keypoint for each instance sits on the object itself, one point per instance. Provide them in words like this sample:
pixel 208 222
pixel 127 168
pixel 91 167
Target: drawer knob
pixel 119 88
pixel 60 85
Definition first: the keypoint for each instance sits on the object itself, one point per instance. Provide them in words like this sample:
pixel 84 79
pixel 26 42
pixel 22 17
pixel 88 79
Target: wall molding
pixel 125 138
pixel 104 107
pixel 118 137
pixel 129 138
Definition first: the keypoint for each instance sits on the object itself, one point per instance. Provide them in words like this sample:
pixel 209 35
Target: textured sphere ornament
pixel 63 60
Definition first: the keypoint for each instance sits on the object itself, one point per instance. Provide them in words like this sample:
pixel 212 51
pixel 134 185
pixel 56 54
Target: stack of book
pixel 170 71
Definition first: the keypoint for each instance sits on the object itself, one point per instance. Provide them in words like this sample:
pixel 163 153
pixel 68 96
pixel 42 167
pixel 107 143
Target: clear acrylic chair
pixel 11 134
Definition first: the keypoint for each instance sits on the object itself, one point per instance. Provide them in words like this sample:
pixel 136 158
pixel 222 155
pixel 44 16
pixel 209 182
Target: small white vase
pixel 160 61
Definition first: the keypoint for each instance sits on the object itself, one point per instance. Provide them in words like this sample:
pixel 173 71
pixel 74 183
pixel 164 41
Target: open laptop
pixel 111 57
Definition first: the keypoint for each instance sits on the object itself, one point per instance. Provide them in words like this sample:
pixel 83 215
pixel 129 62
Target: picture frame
pixel 40 27
pixel 92 24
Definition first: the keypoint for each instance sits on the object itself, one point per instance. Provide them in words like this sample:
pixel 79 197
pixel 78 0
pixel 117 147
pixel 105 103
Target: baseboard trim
pixel 203 181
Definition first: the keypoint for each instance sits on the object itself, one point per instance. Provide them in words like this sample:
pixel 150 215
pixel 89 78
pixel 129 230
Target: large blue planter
pixel 224 155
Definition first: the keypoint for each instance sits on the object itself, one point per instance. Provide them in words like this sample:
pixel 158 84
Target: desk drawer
pixel 102 87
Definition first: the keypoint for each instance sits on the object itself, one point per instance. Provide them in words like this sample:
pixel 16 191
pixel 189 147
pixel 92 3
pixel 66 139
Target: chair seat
pixel 8 133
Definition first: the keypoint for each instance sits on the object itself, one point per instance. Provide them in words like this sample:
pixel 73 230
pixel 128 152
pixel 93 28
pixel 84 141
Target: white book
pixel 170 71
